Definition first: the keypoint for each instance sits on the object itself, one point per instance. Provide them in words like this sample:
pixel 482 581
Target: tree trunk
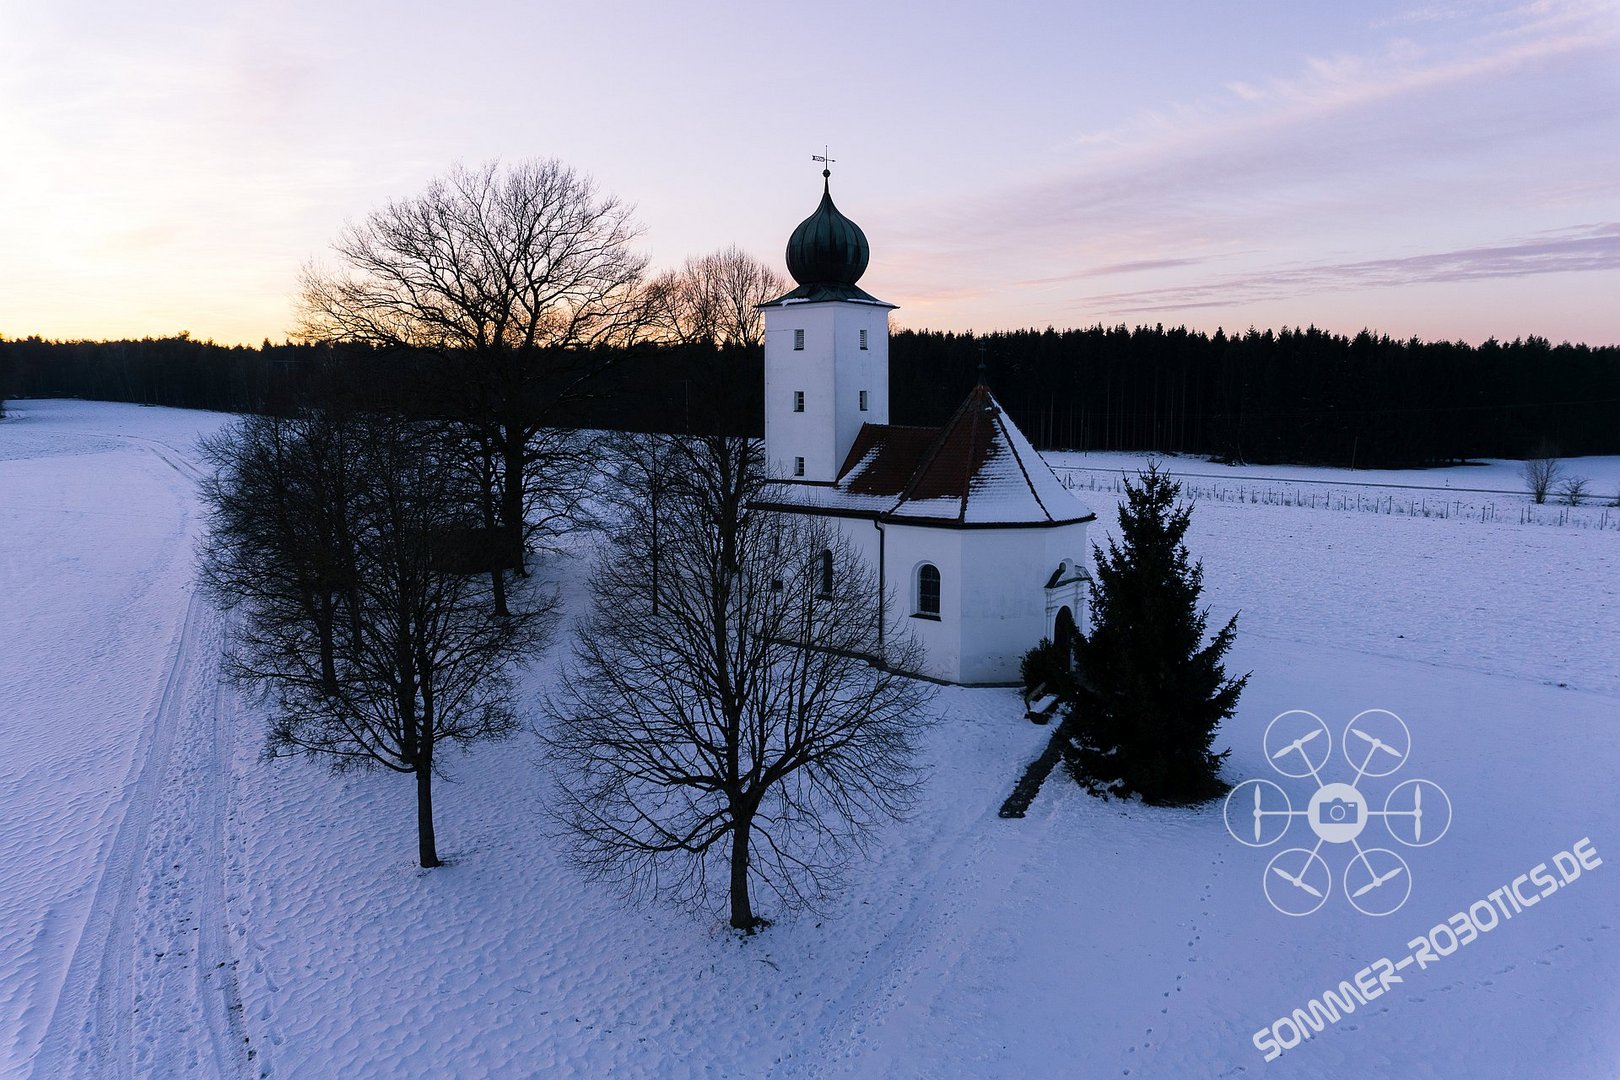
pixel 328 616
pixel 742 914
pixel 497 585
pixel 418 734
pixel 497 576
pixel 512 470
pixel 352 601
pixel 427 848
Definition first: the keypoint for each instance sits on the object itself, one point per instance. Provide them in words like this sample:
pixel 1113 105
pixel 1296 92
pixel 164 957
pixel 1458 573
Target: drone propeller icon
pixel 1338 812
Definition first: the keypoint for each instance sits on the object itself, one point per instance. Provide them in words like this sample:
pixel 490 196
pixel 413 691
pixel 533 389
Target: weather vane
pixel 826 160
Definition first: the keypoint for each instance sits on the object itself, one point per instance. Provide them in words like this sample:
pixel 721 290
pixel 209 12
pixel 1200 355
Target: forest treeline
pixel 1304 396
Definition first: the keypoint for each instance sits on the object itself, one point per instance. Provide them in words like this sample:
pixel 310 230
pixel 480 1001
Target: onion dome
pixel 827 248
pixel 827 254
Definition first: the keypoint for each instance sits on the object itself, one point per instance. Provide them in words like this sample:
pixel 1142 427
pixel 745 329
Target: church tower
pixel 826 350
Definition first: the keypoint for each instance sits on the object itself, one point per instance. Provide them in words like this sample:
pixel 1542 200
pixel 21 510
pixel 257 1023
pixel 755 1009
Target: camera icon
pixel 1337 812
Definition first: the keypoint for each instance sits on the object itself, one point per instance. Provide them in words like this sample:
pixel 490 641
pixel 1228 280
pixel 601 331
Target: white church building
pixel 980 550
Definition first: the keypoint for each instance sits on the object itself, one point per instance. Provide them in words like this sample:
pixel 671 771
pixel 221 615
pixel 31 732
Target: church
pixel 980 551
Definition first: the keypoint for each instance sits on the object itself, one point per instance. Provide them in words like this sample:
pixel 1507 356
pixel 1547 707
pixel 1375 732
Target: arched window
pixel 825 561
pixel 928 590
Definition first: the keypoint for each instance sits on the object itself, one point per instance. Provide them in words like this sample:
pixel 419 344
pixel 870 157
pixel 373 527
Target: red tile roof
pixel 977 469
pixel 884 458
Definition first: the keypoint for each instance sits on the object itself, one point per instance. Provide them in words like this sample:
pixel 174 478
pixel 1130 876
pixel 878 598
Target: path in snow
pixel 947 881
pixel 148 985
pixel 1090 938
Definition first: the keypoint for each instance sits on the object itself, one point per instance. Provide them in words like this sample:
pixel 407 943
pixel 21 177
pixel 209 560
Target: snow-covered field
pixel 170 905
pixel 1489 492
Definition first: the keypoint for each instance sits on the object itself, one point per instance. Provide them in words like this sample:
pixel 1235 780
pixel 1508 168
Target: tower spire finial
pixel 983 366
pixel 826 159
pixel 827 249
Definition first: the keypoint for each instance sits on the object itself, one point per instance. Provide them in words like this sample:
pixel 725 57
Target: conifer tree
pixel 1152 691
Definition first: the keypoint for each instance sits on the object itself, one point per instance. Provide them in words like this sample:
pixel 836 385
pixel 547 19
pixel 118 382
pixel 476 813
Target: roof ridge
pixel 970 471
pixel 1012 448
pixel 927 460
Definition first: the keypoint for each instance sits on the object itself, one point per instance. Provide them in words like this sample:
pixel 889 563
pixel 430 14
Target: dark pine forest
pixel 1302 396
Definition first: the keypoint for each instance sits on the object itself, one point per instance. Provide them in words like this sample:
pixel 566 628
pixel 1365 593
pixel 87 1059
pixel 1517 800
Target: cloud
pixel 1114 270
pixel 1246 134
pixel 1587 248
pixel 1489 123
pixel 1428 14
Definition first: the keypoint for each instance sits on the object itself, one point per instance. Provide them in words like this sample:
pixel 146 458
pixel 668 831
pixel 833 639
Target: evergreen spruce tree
pixel 1151 690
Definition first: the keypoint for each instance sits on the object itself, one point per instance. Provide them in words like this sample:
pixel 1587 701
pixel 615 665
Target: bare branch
pixel 723 720
pixel 328 534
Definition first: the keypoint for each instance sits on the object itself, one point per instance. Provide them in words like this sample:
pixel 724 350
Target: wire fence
pixel 1401 503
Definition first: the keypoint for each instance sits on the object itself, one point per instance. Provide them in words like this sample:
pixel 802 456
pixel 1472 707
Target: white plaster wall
pixel 1069 543
pixel 859 370
pixel 994 605
pixel 862 537
pixel 1004 600
pixel 866 541
pixel 907 547
pixel 1004 603
pixel 831 369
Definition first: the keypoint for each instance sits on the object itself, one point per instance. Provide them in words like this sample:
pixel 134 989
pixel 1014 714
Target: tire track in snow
pixel 215 970
pixel 193 900
pixel 836 1037
pixel 172 456
pixel 958 916
pixel 92 1018
pixel 175 458
pixel 214 980
pixel 175 802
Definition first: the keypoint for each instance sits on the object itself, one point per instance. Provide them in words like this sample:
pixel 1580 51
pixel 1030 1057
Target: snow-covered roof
pixel 977 470
pixel 982 470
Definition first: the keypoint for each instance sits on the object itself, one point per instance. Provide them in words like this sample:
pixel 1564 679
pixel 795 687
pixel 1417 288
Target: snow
pixel 1491 491
pixel 1010 485
pixel 1003 488
pixel 1492 475
pixel 103 658
pixel 828 497
pixel 171 905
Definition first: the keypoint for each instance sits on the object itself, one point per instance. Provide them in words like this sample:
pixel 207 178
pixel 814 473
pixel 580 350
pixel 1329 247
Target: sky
pixel 1446 170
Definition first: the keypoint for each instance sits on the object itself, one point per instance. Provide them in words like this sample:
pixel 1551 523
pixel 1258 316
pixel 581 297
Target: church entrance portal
pixel 1063 631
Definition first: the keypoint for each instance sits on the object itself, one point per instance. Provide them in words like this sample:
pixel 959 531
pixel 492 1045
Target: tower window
pixel 863 339
pixel 826 566
pixel 928 590
pixel 798 401
pixel 863 396
pixel 798 466
pixel 798 340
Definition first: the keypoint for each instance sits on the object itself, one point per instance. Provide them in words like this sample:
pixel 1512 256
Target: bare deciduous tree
pixel 700 746
pixel 1540 473
pixel 281 506
pixel 510 276
pixel 336 536
pixel 1574 490
pixel 647 480
pixel 715 298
